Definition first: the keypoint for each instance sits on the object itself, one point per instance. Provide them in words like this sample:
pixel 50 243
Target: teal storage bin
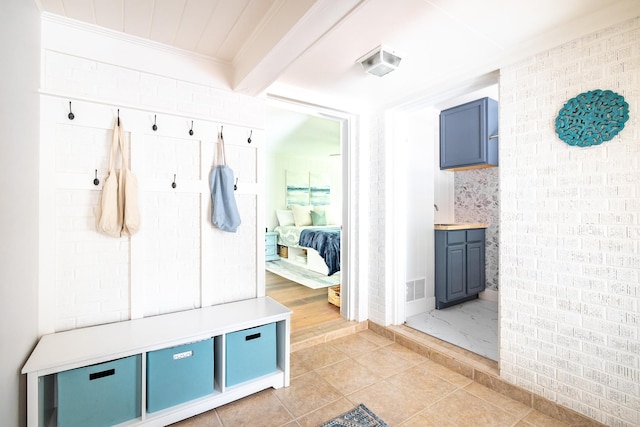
pixel 100 395
pixel 178 374
pixel 250 354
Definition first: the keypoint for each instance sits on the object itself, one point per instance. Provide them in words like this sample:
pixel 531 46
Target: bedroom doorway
pixel 305 166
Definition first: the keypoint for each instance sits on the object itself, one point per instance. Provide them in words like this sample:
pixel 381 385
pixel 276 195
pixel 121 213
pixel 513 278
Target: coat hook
pixel 70 115
pixel 173 184
pixel 191 130
pixel 235 186
pixel 96 181
pixel 154 127
pixel 249 139
pixel 118 117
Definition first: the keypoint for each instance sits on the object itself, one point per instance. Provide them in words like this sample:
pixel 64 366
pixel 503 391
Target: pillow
pixel 332 217
pixel 285 217
pixel 301 215
pixel 318 217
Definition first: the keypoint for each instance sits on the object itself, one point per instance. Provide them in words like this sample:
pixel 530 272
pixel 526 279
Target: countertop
pixel 458 226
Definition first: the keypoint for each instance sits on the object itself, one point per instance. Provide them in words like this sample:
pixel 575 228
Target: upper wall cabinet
pixel 469 135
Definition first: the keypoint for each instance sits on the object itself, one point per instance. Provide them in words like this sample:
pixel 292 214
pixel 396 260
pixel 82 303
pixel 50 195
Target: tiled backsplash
pixel 477 200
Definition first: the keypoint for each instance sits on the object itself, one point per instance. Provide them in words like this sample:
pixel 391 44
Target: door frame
pixel 352 306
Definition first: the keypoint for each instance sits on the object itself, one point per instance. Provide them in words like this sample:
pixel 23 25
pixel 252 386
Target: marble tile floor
pixel 472 325
pixel 399 385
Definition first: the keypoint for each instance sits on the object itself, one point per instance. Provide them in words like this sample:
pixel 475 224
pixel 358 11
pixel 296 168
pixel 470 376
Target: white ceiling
pixel 307 49
pixel 299 134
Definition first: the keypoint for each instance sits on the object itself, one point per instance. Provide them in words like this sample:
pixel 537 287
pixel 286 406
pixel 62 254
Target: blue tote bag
pixel 224 213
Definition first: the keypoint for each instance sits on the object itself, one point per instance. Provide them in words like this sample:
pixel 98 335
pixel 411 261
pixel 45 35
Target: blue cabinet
pixel 469 135
pixel 271 246
pixel 459 265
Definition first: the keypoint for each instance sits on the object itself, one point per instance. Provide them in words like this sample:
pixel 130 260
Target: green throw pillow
pixel 318 217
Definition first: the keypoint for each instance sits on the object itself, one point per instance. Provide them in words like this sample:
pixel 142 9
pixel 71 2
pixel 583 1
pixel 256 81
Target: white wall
pixel 415 199
pixel 570 232
pixel 19 115
pixel 276 166
pixel 178 260
pixel 379 290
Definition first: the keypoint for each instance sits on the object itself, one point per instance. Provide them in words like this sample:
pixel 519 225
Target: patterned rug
pixel 301 275
pixel 360 416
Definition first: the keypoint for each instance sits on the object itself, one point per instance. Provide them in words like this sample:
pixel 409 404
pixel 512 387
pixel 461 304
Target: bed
pixel 314 247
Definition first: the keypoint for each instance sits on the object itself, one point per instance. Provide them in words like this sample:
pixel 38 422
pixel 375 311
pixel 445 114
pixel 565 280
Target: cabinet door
pixel 475 268
pixel 469 135
pixel 456 280
pixel 463 135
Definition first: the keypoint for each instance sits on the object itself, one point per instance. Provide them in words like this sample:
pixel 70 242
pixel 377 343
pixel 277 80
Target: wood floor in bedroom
pixel 311 308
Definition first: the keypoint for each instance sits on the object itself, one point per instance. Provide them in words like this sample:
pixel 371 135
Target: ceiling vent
pixel 380 61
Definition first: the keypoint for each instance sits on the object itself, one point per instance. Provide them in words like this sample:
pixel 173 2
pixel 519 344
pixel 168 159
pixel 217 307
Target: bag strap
pixel 123 146
pixel 221 158
pixel 115 143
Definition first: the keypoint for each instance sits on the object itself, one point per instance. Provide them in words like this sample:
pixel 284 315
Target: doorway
pixel 452 198
pixel 307 146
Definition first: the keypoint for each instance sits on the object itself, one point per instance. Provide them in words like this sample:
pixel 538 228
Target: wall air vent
pixel 380 61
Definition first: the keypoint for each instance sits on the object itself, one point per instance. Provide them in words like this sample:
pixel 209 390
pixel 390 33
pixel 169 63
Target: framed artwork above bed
pixel 297 188
pixel 319 189
pixel 307 188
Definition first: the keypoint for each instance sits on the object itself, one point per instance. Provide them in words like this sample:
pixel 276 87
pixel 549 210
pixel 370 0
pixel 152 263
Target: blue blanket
pixel 326 242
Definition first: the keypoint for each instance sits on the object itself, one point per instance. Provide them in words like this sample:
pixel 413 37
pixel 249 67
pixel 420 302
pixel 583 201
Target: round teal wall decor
pixel 592 118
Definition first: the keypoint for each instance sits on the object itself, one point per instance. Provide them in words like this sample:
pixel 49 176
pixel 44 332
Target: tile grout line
pixel 557 411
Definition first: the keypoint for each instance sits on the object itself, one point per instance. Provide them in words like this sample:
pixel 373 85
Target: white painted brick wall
pixel 570 232
pixel 92 270
pixel 74 76
pixel 171 253
pixel 177 260
pixel 377 248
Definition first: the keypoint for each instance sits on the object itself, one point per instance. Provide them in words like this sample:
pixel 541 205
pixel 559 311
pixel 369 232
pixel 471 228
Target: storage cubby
pixel 158 370
pixel 178 374
pixel 250 354
pixel 100 395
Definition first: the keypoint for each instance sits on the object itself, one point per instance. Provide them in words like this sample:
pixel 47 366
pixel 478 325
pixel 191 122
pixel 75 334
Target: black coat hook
pixel 173 184
pixel 191 130
pixel 96 181
pixel 154 127
pixel 118 117
pixel 235 186
pixel 70 115
pixel 249 139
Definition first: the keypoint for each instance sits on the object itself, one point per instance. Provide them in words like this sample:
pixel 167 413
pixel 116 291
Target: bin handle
pixel 102 374
pixel 252 337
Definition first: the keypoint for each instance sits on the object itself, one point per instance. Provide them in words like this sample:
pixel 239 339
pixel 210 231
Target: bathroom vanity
pixel 459 263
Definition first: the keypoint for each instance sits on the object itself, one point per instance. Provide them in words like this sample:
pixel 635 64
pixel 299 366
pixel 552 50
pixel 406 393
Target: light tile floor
pixel 400 386
pixel 472 325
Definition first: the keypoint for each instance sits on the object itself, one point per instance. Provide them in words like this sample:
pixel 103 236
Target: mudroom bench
pixel 158 370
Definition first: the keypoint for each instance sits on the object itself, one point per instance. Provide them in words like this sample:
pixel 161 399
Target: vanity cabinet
pixel 459 265
pixel 469 135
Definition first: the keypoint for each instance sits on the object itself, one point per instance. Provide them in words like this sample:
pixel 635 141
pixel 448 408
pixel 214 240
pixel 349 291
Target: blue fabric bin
pixel 178 374
pixel 250 353
pixel 100 395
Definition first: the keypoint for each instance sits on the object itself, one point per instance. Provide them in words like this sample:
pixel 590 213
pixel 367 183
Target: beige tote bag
pixel 118 214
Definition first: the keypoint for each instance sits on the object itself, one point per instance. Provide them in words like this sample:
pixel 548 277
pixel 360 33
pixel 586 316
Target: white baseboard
pixel 422 305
